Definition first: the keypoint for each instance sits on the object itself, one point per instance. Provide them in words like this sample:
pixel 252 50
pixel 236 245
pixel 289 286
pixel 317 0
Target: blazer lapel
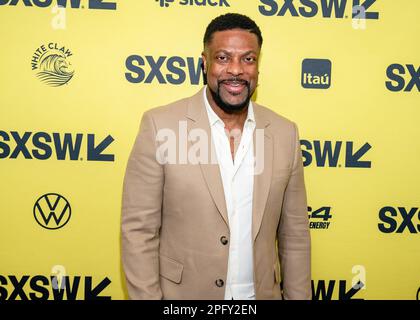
pixel 263 169
pixel 197 115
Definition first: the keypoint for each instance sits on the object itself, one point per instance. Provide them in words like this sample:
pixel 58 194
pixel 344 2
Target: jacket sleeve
pixel 293 233
pixel 141 215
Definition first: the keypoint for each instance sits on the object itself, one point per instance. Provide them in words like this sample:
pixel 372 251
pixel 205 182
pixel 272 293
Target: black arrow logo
pixel 352 159
pixel 95 153
pixel 93 294
pixel 347 295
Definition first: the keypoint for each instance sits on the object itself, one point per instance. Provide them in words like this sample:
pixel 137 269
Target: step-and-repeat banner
pixel 77 75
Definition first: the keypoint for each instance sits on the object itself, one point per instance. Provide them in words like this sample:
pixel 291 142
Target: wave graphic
pixel 54 70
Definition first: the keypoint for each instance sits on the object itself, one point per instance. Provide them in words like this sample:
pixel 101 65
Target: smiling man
pixel 224 229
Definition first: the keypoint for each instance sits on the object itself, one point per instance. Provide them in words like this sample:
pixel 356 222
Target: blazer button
pixel 220 283
pixel 224 240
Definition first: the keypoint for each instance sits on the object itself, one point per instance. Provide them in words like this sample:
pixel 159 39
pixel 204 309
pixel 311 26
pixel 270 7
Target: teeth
pixel 234 84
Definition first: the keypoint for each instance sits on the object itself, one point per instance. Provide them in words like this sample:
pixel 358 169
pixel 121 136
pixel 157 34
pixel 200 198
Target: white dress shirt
pixel 238 184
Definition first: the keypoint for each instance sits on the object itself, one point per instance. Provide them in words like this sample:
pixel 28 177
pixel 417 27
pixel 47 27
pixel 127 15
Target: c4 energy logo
pixel 163 70
pixel 397 79
pixel 318 217
pixel 52 211
pixel 51 64
pixel 324 8
pixel 62 146
pixel 399 220
pixel 316 73
pixel 74 4
pixel 327 154
pixel 198 3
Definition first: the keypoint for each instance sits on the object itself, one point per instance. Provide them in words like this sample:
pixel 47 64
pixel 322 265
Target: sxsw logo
pixel 61 146
pixel 52 206
pixel 40 287
pixel 396 72
pixel 323 290
pixel 328 153
pixel 399 220
pixel 316 73
pixel 324 8
pixel 163 70
pixel 74 4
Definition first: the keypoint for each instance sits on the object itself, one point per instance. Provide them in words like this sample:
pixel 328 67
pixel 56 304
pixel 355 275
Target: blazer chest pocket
pixel 170 269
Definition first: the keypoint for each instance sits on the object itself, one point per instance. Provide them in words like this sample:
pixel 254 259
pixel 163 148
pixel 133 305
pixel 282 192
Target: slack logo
pixel 199 3
pixel 316 73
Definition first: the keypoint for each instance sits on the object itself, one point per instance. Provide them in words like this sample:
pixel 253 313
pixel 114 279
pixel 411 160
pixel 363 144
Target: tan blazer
pixel 175 223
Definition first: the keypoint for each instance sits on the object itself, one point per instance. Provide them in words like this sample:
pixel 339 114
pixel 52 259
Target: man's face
pixel 231 66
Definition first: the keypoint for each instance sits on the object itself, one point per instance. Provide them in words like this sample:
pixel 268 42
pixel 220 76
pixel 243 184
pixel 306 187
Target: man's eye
pixel 222 58
pixel 249 59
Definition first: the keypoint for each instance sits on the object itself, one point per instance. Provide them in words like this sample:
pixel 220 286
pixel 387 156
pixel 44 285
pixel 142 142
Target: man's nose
pixel 235 67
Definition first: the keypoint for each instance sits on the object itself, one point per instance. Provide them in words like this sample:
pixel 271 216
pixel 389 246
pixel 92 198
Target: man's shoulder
pixel 171 110
pixel 276 120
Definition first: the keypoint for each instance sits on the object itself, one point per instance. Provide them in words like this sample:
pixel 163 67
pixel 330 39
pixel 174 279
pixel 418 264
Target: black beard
pixel 227 107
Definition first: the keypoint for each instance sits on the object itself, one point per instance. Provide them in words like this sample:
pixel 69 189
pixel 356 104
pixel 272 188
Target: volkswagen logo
pixel 52 211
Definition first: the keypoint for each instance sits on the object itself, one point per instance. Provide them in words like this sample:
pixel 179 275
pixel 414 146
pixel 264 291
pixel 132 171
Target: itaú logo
pixel 74 4
pixel 52 211
pixel 316 73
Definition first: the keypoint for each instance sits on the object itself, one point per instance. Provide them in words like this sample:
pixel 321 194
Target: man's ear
pixel 204 59
pixel 204 67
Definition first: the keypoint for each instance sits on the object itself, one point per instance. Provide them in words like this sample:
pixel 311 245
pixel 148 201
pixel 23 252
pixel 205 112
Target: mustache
pixel 233 80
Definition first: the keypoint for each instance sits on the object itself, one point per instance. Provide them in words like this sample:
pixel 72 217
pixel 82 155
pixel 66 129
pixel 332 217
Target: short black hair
pixel 231 21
